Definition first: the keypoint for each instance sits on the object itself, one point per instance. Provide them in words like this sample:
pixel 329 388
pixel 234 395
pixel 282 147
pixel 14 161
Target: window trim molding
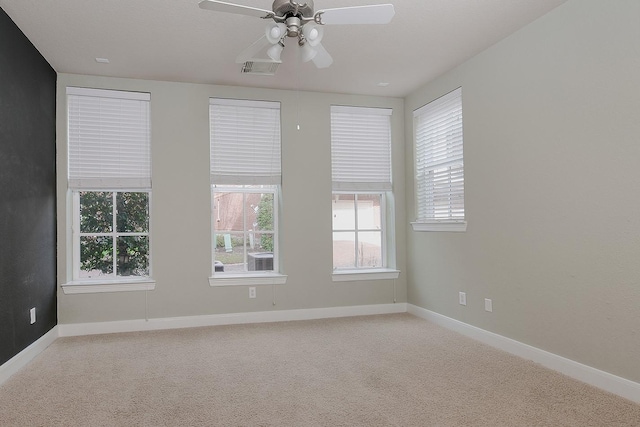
pixel 454 226
pixel 75 284
pixel 226 179
pixel 345 137
pixel 352 275
pixel 101 286
pixel 231 279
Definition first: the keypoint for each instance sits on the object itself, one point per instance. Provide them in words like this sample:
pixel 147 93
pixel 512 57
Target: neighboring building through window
pixel 439 165
pixel 109 177
pixel 361 175
pixel 245 187
pixel 244 228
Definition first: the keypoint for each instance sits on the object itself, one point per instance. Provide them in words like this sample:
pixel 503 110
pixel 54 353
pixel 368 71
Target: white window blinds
pixel 361 148
pixel 245 142
pixel 109 139
pixel 439 159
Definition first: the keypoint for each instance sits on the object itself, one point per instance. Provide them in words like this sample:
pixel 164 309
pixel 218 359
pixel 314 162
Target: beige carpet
pixel 392 370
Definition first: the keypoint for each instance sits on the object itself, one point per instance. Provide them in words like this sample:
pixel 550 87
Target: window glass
pixel 357 230
pixel 96 256
pixel 107 253
pixel 344 249
pixel 132 212
pixel 96 212
pixel 244 232
pixel 344 212
pixel 370 249
pixel 369 216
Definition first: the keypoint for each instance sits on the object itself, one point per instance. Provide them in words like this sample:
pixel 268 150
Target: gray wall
pixel 552 151
pixel 181 224
pixel 27 191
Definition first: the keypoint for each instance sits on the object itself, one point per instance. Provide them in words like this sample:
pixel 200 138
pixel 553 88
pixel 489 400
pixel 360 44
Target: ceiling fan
pixel 300 21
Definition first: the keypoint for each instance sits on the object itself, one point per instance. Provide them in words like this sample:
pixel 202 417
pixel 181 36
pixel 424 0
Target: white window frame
pixel 230 182
pixel 142 282
pixel 368 180
pixel 108 182
pixel 449 104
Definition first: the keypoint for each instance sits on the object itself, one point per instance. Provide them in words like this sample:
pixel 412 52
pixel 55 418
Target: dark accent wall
pixel 27 191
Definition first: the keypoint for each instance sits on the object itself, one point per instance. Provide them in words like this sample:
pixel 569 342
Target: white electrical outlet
pixel 32 313
pixel 252 292
pixel 462 298
pixel 488 305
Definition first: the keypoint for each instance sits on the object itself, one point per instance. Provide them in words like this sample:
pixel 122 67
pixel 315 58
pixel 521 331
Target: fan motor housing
pixel 288 7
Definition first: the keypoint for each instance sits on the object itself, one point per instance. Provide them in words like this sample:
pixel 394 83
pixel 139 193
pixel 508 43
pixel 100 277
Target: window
pixel 112 234
pixel 109 177
pixel 244 229
pixel 439 165
pixel 245 188
pixel 361 175
pixel 357 230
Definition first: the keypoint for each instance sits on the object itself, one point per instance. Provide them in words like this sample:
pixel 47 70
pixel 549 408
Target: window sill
pixel 248 279
pixel 94 287
pixel 455 226
pixel 364 274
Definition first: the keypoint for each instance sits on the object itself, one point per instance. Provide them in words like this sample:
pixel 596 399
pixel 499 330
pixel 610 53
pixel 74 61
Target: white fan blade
pixel 372 14
pixel 221 6
pixel 322 58
pixel 251 51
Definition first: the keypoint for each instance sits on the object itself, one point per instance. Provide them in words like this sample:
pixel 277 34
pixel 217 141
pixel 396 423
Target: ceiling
pixel 175 40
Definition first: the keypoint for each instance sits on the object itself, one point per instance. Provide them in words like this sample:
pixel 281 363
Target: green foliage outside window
pixel 265 220
pixel 96 220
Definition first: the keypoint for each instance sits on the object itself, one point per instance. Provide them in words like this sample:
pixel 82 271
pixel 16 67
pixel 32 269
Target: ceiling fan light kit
pixel 275 32
pixel 275 51
pixel 313 34
pixel 301 21
pixel 308 52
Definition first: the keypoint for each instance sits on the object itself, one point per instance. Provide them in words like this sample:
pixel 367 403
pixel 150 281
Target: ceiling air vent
pixel 263 68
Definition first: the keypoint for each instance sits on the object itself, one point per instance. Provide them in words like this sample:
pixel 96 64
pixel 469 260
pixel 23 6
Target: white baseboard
pixel 66 330
pixel 18 361
pixel 603 380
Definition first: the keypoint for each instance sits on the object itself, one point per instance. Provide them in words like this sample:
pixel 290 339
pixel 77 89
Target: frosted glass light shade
pixel 275 51
pixel 308 52
pixel 275 32
pixel 313 33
